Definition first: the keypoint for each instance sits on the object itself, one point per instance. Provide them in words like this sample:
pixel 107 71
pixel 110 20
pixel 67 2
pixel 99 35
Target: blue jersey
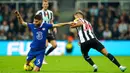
pixel 39 36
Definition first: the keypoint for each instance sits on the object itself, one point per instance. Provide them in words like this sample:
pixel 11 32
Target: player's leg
pixel 113 59
pixel 85 47
pixel 99 47
pixel 46 42
pixel 38 62
pixel 44 61
pixel 51 39
pixel 54 45
pixel 30 56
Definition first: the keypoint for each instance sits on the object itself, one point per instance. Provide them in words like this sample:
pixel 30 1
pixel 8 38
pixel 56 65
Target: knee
pixel 104 52
pixel 46 45
pixel 54 45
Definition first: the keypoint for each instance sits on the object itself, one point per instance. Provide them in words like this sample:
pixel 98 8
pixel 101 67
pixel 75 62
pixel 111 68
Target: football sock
pixel 113 59
pixel 89 60
pixel 49 51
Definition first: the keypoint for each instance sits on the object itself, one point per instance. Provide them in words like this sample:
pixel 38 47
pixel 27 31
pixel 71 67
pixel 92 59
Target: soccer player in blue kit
pixel 38 46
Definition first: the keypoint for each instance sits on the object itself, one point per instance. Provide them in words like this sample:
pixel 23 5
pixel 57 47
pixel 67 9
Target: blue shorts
pixel 39 55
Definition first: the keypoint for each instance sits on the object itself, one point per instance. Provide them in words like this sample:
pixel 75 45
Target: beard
pixel 37 25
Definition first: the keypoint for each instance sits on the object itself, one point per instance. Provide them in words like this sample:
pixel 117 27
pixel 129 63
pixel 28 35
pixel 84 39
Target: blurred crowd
pixel 109 23
pixel 10 29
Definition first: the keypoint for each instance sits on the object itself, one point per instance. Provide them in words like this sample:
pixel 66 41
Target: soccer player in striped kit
pixel 88 40
pixel 47 16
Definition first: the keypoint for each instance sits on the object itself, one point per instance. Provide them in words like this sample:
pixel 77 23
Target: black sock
pixel 113 59
pixel 49 51
pixel 89 60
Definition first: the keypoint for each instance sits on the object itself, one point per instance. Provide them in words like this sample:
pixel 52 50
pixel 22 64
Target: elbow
pixel 20 22
pixel 72 26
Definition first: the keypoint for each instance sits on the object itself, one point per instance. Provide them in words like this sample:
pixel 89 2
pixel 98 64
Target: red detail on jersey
pixel 46 13
pixel 87 26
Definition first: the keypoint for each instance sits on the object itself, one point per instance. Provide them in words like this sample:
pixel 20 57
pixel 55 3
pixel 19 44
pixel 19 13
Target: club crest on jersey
pixel 39 35
pixel 43 29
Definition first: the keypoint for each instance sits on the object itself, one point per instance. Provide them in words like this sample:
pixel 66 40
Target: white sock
pixel 94 66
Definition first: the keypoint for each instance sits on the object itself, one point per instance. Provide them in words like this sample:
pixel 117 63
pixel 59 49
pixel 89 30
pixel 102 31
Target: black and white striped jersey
pixel 46 15
pixel 85 32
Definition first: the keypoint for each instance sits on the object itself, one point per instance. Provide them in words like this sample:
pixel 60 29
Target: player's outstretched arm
pixel 20 19
pixel 76 24
pixel 61 24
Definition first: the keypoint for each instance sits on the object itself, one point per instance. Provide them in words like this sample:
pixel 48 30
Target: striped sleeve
pixel 39 12
pixel 51 15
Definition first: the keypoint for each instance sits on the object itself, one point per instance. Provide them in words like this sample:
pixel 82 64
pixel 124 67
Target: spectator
pixel 125 16
pixel 110 19
pixel 19 36
pixel 87 14
pixel 1 18
pixel 102 13
pixel 94 10
pixel 129 19
pixel 115 33
pixel 56 15
pixel 111 10
pixel 127 35
pixel 123 26
pixel 11 28
pixel 100 29
pixel 30 15
pixel 4 26
pixel 2 36
pixel 6 12
pixel 107 34
pixel 25 35
pixel 9 36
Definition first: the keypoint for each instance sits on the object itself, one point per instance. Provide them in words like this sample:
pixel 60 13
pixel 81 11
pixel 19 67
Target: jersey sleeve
pixel 52 16
pixel 29 25
pixel 38 12
pixel 48 26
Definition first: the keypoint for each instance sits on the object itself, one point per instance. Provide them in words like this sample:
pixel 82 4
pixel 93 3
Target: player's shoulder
pixel 39 11
pixel 82 19
pixel 30 24
pixel 50 11
pixel 46 24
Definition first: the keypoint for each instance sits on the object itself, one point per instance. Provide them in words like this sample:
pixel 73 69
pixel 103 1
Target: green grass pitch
pixel 64 64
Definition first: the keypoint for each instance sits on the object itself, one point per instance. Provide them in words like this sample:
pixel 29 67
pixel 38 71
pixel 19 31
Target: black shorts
pixel 93 43
pixel 50 37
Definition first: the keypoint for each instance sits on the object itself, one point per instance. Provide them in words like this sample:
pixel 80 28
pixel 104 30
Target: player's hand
pixel 55 30
pixel 72 24
pixel 16 12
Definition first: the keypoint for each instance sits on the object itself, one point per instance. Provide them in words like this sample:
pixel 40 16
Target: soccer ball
pixel 75 20
pixel 28 67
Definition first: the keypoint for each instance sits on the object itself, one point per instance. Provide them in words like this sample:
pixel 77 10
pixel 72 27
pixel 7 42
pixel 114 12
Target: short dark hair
pixel 39 17
pixel 80 12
